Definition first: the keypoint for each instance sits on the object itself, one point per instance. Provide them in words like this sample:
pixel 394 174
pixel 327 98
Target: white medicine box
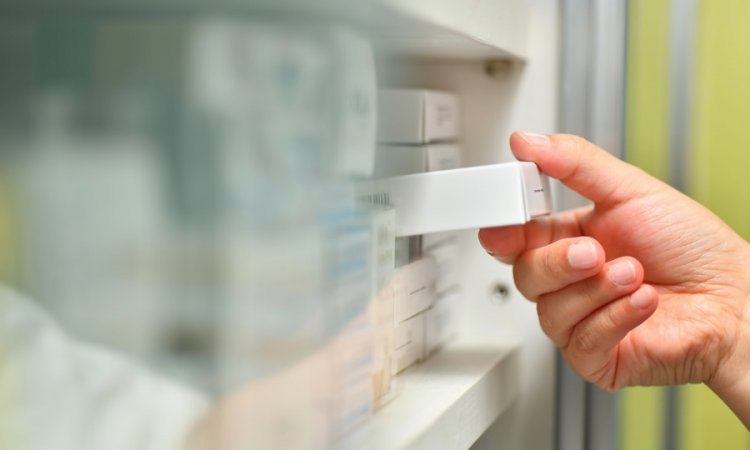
pixel 458 199
pixel 394 160
pixel 414 289
pixel 416 116
pixel 409 343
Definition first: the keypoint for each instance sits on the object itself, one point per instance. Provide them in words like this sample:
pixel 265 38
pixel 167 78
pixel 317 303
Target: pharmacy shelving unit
pixel 500 57
pixel 495 384
pixel 467 30
pixel 447 401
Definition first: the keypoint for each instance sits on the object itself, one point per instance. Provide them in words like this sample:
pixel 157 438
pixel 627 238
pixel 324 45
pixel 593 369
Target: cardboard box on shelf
pixel 441 321
pixel 409 340
pixel 354 103
pixel 414 289
pixel 416 116
pixel 443 249
pixel 381 315
pixel 470 197
pixel 395 160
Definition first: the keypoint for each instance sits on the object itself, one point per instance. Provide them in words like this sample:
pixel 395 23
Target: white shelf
pixel 456 29
pixel 446 402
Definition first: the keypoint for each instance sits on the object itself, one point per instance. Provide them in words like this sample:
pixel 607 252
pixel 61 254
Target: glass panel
pixel 176 208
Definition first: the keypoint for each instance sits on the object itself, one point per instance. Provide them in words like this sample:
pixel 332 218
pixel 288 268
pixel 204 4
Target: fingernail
pixel 641 299
pixel 622 273
pixel 536 140
pixel 582 255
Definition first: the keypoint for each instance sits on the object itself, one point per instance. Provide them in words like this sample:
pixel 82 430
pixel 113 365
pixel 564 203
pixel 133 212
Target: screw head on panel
pixel 498 68
pixel 499 293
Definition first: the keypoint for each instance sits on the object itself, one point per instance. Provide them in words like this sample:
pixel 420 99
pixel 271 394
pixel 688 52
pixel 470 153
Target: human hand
pixel 644 287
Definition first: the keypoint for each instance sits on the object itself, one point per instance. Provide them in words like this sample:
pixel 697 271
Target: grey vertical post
pixel 606 130
pixel 682 48
pixel 575 73
pixel 682 32
pixel 575 79
pixel 591 105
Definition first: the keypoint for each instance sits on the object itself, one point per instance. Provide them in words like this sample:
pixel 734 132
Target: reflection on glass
pixel 185 261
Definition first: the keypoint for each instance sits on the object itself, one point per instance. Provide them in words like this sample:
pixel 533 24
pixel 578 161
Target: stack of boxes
pixel 417 132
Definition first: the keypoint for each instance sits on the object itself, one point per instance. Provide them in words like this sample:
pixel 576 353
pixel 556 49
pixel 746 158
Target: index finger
pixel 582 166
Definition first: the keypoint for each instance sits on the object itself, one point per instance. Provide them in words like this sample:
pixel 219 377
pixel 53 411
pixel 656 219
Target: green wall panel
pixel 642 418
pixel 641 410
pixel 719 154
pixel 717 177
pixel 706 423
pixel 721 131
pixel 647 86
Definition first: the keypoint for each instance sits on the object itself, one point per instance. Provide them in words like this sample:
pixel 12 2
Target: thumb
pixel 582 166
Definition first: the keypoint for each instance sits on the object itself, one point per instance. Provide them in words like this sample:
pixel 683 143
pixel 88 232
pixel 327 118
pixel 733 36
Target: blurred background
pixel 176 182
pixel 164 174
pixel 687 108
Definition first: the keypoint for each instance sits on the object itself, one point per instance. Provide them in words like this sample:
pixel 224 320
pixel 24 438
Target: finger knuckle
pixel 545 319
pixel 575 142
pixel 577 147
pixel 603 377
pixel 521 278
pixel 587 293
pixel 609 317
pixel 585 340
pixel 550 265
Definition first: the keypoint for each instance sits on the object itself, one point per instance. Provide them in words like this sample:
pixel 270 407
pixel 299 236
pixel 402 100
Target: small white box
pixel 409 331
pixel 441 321
pixel 409 341
pixel 381 315
pixel 355 100
pixel 416 116
pixel 382 247
pixel 445 255
pixel 414 289
pixel 395 160
pixel 471 197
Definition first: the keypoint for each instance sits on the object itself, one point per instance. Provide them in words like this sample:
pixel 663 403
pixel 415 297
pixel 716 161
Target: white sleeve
pixel 56 393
